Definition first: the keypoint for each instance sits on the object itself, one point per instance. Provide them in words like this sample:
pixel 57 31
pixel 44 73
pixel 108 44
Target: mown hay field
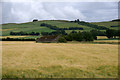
pixel 59 60
pixel 112 41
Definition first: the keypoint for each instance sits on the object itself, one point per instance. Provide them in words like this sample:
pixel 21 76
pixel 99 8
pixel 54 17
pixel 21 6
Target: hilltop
pixel 36 26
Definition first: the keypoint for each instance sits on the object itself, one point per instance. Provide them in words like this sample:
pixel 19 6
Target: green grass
pixel 25 27
pixel 107 24
pixel 35 26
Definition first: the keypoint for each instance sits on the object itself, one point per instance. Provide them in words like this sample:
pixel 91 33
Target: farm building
pixel 50 38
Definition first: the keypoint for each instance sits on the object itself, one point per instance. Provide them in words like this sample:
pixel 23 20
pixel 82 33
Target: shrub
pixel 62 40
pixel 87 36
pixel 35 20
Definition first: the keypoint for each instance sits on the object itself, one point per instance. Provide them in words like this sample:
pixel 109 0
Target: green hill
pixel 35 26
pixel 108 24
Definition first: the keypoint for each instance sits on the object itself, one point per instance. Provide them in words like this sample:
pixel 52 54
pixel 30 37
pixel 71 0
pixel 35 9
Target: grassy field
pixel 24 37
pixel 107 41
pixel 59 60
pixel 35 26
pixel 107 24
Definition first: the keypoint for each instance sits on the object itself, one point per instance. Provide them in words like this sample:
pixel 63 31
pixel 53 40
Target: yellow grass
pixel 41 60
pixel 5 29
pixel 11 36
pixel 111 41
pixel 102 37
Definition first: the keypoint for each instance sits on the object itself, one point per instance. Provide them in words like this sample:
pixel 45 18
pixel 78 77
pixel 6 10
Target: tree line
pixel 57 32
pixel 115 26
pixel 25 33
pixel 37 33
pixel 111 33
pixel 78 36
pixel 57 28
pixel 17 39
pixel 90 35
pixel 89 25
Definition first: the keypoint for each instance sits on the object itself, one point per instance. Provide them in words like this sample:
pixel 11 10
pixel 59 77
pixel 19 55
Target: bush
pixel 87 36
pixel 35 20
pixel 62 40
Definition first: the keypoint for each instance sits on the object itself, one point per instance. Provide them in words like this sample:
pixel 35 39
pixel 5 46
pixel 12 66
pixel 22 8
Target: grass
pixel 107 41
pixel 25 37
pixel 102 37
pixel 35 26
pixel 59 60
pixel 107 24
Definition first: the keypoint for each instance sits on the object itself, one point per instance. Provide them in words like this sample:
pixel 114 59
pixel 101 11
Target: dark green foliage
pixel 35 20
pixel 78 36
pixel 57 32
pixel 110 33
pixel 96 33
pixel 62 40
pixel 57 28
pixel 87 36
pixel 74 31
pixel 24 33
pixel 114 26
pixel 116 20
pixel 16 39
pixel 89 25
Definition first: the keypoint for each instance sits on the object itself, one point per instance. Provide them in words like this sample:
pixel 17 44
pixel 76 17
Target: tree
pixel 87 36
pixel 62 40
pixel 110 33
pixel 78 20
pixel 35 20
pixel 94 34
pixel 79 36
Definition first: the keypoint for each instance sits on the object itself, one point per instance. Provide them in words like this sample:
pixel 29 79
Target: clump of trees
pixel 57 32
pixel 114 26
pixel 89 25
pixel 24 33
pixel 96 33
pixel 35 20
pixel 79 36
pixel 62 40
pixel 57 28
pixel 111 33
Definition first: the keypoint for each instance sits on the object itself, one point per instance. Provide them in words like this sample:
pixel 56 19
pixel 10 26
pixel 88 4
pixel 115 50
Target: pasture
pixel 35 26
pixel 107 24
pixel 59 60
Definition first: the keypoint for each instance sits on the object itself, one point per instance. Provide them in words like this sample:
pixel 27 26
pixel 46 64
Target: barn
pixel 48 39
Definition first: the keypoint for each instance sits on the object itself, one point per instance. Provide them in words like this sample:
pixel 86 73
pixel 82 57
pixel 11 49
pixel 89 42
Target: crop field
pixel 59 60
pixel 107 41
pixel 102 37
pixel 12 36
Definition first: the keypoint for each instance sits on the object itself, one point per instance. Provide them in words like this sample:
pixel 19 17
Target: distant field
pixel 102 37
pixel 33 37
pixel 108 24
pixel 109 41
pixel 12 36
pixel 59 60
pixel 35 26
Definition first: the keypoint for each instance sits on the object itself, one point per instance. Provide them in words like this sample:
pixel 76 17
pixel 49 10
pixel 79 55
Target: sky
pixel 21 12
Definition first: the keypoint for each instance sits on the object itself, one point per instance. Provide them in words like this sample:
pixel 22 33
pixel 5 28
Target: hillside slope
pixel 35 26
pixel 108 24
